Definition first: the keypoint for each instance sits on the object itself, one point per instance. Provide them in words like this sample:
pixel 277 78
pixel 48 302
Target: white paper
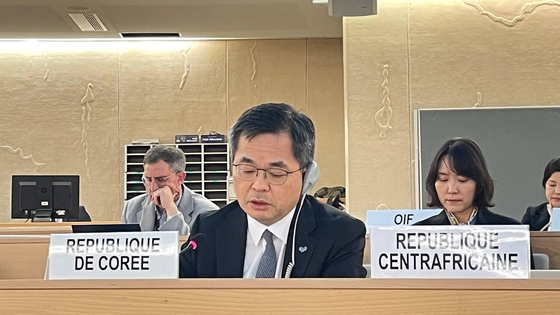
pixel 555 224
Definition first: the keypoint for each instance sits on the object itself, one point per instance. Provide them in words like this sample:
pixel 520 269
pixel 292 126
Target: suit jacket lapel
pixel 543 217
pixel 231 239
pixel 186 206
pixel 482 216
pixel 441 219
pixel 148 214
pixel 305 244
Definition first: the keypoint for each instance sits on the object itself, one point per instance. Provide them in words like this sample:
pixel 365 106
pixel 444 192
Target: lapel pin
pixel 302 249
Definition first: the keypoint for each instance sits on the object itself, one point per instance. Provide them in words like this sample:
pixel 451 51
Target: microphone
pixel 194 242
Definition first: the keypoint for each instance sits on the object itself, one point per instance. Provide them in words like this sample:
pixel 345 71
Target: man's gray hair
pixel 170 155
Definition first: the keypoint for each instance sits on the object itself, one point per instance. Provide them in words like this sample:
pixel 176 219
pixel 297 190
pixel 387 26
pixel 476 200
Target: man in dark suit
pixel 272 148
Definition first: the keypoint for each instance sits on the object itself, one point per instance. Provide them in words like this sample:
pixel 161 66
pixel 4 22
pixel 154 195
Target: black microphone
pixel 194 242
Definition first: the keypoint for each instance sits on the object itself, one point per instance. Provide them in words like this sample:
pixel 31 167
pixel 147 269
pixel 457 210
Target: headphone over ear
pixel 310 177
pixel 309 180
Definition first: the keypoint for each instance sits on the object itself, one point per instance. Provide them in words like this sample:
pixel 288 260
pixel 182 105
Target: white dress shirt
pixel 256 245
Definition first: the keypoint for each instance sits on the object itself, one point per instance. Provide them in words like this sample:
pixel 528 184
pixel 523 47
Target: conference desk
pixel 22 244
pixel 547 243
pixel 281 296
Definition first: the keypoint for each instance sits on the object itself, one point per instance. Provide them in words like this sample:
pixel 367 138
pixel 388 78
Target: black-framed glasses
pixel 160 180
pixel 274 176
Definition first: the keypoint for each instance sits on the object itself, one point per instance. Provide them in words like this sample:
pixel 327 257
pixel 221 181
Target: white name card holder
pixel 398 217
pixel 469 251
pixel 130 255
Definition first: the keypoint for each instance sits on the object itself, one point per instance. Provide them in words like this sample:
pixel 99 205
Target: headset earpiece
pixel 309 180
pixel 310 177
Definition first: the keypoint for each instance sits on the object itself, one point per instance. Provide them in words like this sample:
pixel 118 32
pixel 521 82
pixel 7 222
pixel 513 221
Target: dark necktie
pixel 267 265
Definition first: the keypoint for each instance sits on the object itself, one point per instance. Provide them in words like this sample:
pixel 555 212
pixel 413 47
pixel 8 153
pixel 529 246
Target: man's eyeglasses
pixel 274 176
pixel 160 180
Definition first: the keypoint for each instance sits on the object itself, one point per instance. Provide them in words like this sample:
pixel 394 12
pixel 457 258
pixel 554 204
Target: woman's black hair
pixel 465 159
pixel 552 167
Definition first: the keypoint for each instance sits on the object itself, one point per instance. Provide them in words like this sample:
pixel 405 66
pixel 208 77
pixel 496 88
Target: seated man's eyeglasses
pixel 160 180
pixel 274 176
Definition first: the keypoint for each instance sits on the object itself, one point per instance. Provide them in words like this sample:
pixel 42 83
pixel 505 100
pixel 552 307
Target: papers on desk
pixel 555 225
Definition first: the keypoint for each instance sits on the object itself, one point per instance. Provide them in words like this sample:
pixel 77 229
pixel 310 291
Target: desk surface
pixel 259 296
pixel 43 228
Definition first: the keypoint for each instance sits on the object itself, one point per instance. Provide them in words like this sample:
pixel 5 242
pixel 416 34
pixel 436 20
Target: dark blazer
pixel 334 243
pixel 536 217
pixel 484 217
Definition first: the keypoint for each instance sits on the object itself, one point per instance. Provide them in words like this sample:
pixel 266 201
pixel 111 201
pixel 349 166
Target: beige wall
pixel 437 54
pixel 136 92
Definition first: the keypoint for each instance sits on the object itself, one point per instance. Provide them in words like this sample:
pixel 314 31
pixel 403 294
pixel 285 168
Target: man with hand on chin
pixel 167 205
pixel 272 148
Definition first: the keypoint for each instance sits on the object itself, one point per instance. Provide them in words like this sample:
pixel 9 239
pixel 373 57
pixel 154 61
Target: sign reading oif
pixel 398 217
pixel 142 255
pixel 470 251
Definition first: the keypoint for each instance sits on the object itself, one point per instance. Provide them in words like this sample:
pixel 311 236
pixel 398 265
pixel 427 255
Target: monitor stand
pixel 42 215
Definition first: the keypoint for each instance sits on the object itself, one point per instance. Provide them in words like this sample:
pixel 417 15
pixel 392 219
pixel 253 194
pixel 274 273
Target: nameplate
pixel 555 224
pixel 398 217
pixel 470 251
pixel 138 255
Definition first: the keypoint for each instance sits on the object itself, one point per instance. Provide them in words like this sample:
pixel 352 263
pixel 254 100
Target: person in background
pixel 459 182
pixel 539 217
pixel 167 205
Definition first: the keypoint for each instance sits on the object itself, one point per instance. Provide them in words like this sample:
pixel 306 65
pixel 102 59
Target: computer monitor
pixel 45 197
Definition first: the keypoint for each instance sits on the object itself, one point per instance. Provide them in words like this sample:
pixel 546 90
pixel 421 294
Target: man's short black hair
pixel 275 118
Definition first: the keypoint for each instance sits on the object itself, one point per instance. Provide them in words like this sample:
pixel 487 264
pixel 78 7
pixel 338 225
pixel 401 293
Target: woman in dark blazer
pixel 539 217
pixel 459 182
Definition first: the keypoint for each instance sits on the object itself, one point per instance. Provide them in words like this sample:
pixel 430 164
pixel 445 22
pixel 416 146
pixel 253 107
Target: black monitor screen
pixel 57 195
